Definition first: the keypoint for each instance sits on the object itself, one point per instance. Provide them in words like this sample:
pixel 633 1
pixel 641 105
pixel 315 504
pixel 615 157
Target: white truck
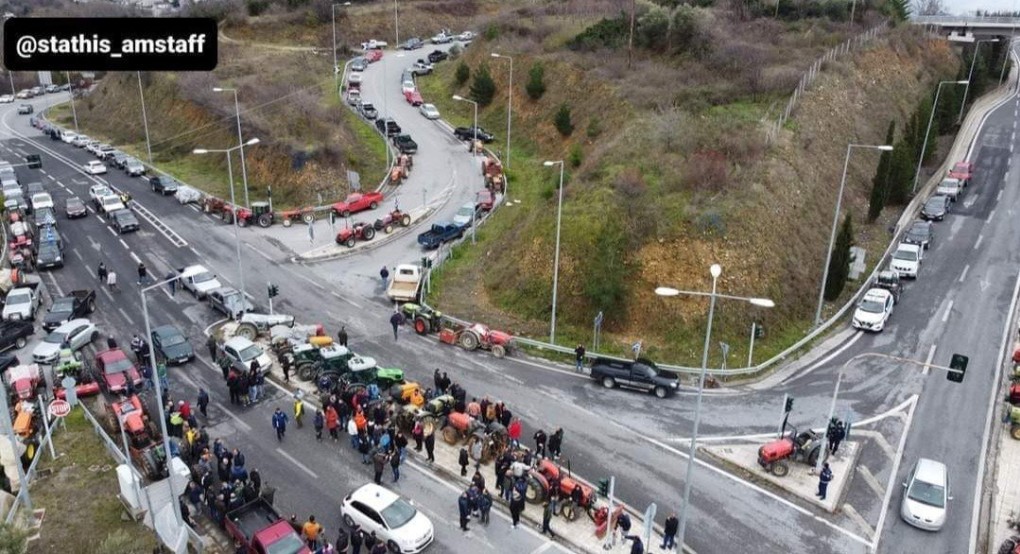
pixel 950 187
pixel 405 283
pixel 22 303
pixel 907 260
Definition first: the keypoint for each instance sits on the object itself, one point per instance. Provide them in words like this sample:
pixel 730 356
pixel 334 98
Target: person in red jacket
pixel 332 422
pixel 514 432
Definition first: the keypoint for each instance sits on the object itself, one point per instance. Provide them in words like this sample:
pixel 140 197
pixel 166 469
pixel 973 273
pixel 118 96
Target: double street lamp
pixel 716 271
pixel 336 66
pixel 835 221
pixel 462 99
pixel 931 119
pixel 240 141
pixel 145 118
pixel 970 76
pixel 509 106
pixel 556 259
pixel 233 204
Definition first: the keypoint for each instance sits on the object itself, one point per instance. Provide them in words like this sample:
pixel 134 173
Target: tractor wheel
pixel 1009 545
pixel 20 342
pixel 420 325
pixel 306 371
pixel 537 489
pixel 349 243
pixel 779 469
pixel 373 205
pixel 468 341
pixel 92 306
pixel 265 220
pixel 813 456
pixel 242 222
pixel 388 228
pixel 405 220
pixel 608 382
pixel 451 435
pixel 247 330
pixel 1014 431
pixel 308 217
pixel 569 511
pixel 498 351
pixel 368 233
pixel 287 222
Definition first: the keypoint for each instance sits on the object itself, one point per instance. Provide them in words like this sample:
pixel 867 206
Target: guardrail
pixel 30 473
pixel 962 20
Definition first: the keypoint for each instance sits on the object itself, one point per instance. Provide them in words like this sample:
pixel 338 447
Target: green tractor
pixel 424 319
pixel 310 361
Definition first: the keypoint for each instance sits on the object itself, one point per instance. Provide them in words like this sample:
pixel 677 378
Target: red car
pixel 413 98
pixel 358 202
pixel 373 55
pixel 484 200
pixel 962 171
pixel 116 369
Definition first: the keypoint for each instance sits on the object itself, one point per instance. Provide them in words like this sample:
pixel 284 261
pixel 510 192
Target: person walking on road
pixel 823 481
pixel 318 422
pixel 385 274
pixel 556 443
pixel 579 357
pixel 212 345
pixel 669 530
pixel 547 514
pixel 395 465
pixel 280 423
pixel 299 411
pixel 143 274
pixel 464 507
pixel 102 272
pixel 203 402
pixel 540 440
pixel 396 320
pixel 484 506
pixel 341 336
pixel 516 507
pixel 430 445
pixel 111 280
pixel 463 460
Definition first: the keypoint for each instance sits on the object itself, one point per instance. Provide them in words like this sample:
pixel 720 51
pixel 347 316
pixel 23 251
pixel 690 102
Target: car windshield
pixel 56 337
pixel 288 544
pixel 398 514
pixel 20 298
pixel 935 204
pixel 905 255
pixel 125 216
pixel 171 339
pixel 203 277
pixel 118 366
pixel 466 211
pixel 249 353
pixel 927 493
pixel 871 306
pixel 75 203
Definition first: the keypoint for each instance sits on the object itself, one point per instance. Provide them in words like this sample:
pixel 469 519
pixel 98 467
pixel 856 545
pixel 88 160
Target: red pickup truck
pixel 358 202
pixel 261 529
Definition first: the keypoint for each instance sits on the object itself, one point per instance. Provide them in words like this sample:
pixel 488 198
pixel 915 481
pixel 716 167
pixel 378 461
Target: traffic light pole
pixel 608 544
pixel 786 414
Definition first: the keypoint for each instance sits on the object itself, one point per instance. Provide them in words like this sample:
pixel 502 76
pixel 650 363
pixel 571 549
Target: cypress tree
pixel 880 183
pixel 839 265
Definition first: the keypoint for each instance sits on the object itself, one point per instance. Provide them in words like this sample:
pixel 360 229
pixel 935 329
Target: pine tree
pixel 880 183
pixel 536 81
pixel 463 74
pixel 839 265
pixel 483 88
pixel 931 143
pixel 562 120
pixel 948 108
pixel 901 173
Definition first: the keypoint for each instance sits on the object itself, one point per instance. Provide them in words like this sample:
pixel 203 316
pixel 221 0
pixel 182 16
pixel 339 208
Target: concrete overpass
pixel 968 29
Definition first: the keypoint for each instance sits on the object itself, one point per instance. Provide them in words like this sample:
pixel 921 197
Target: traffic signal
pixel 789 404
pixel 958 367
pixel 34 161
pixel 274 290
pixel 426 262
pixel 759 332
pixel 604 487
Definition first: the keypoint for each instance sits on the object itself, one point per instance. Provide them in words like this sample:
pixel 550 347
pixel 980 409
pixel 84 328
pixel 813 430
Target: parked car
pixel 388 126
pixel 443 37
pixel 116 370
pixel 374 45
pixel 421 67
pixel 21 303
pixel 118 159
pixel 926 495
pixel 134 167
pixel 105 151
pixel 414 98
pixel 429 111
pixel 97 193
pixel 77 333
pixel 439 234
pixel 359 64
pixel 95 167
pixel 163 184
pixel 906 260
pixel 14 334
pixel 406 86
pixel 484 200
pixel 198 280
pixel 52 88
pixel 466 215
pixel 466 36
pixel 25 109
pixel 373 55
pixel 413 43
pixel 7 99
pixel 962 171
pixel 354 79
pixel 368 110
pixel 950 187
pixel 14 201
pixel 229 302
pixel 405 144
pixel 437 56
pixel 393 520
pixel 639 374
pixel 35 187
pixel 468 133
pixel 76 305
pixel 873 310
pixel 936 208
pixel 79 141
pixel 68 136
pixel 890 281
pixel 111 203
pixel 92 146
pixel 357 202
pixel 921 233
pixel 171 345
pixel 241 351
pixel 50 253
pixel 41 200
pixel 124 221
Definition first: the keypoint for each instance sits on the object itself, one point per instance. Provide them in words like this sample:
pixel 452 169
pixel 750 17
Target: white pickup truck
pixel 374 45
pixel 405 283
pixel 21 304
pixel 950 187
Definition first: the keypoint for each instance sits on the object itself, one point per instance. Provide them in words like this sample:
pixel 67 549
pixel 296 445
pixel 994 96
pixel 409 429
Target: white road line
pixel 348 300
pixel 55 285
pixel 78 254
pixel 869 478
pixel 999 196
pixel 195 252
pixel 858 519
pixel 296 463
pixel 126 316
pixel 945 316
pixel 931 351
pixel 103 221
pixel 106 292
pixel 52 178
pixel 43 171
pixel 893 473
pixel 259 252
pixel 1013 136
pixel 857 336
pixel 978 243
pixel 124 244
pixel 240 422
pixel 879 439
pixel 542 548
pixel 91 211
pixel 963 275
pixel 135 257
pixel 991 215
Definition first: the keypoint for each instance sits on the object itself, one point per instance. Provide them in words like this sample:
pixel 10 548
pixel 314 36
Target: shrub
pixel 653 30
pixel 608 33
pixel 562 120
pixel 594 127
pixel 462 74
pixel 257 7
pixel 483 88
pixel 491 32
pixel 536 81
pixel 576 156
pixel 455 51
pixel 839 264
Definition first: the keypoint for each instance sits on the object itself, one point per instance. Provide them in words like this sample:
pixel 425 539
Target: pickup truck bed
pixel 403 291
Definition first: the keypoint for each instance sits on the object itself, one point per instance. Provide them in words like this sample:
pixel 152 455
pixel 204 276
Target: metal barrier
pixel 962 20
pixel 32 467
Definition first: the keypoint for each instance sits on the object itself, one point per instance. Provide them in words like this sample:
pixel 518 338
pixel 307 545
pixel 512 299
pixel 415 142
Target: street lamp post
pixel 1012 37
pixel 70 90
pixel 835 221
pixel 556 259
pixel 462 99
pixel 716 271
pixel 509 107
pixel 336 66
pixel 233 204
pixel 931 119
pixel 145 118
pixel 970 76
pixel 240 142
pixel 396 26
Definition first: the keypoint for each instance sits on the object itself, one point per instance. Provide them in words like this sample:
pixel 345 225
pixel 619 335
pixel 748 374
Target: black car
pixel 405 144
pixel 921 233
pixel 50 255
pixel 639 374
pixel 45 217
pixel 170 344
pixel 77 304
pixel 387 126
pixel 119 159
pixel 438 56
pixel 74 207
pixel 14 334
pixel 124 221
pixel 468 133
pixel 368 110
pixel 163 184
pixel 413 44
pixel 936 208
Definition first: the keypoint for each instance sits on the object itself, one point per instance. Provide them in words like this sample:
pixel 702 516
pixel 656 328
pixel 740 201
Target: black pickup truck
pixel 639 374
pixel 79 303
pixel 405 144
pixel 440 233
pixel 468 133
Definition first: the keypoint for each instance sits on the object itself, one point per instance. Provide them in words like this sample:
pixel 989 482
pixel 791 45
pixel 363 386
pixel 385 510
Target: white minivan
pixel 926 495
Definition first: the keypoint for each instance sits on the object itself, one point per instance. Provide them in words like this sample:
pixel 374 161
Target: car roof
pixel 167 330
pixel 908 246
pixel 930 471
pixel 72 324
pixel 374 496
pixel 877 294
pixel 111 354
pixel 238 343
pixel 192 270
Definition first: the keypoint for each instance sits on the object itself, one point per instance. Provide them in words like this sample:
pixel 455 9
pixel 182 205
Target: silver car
pixel 926 495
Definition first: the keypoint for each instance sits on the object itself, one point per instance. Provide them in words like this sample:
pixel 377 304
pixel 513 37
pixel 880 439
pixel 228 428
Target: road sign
pixel 70 393
pixel 649 522
pixel 354 179
pixel 59 408
pixel 598 319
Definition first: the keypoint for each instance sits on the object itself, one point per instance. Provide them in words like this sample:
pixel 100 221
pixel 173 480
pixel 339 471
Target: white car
pixel 98 191
pixel 110 204
pixel 465 215
pixel 907 260
pixel 198 280
pixel 395 521
pixel 466 36
pixel 23 95
pixel 92 146
pixel 77 332
pixel 926 495
pixel 241 352
pixel 354 78
pixel 95 167
pixel 374 45
pixel 429 111
pixel 873 310
pixel 68 136
pixel 442 38
pixel 42 200
pixel 22 303
pixel 407 86
pixel 80 141
pixel 6 99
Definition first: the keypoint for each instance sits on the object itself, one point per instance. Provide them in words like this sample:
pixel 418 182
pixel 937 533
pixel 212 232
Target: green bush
pixel 562 120
pixel 257 7
pixel 608 33
pixel 536 81
pixel 462 74
pixel 594 127
pixel 576 156
pixel 483 88
pixel 491 32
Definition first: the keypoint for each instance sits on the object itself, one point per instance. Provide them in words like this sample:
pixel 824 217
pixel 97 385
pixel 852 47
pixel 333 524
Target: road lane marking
pixel 78 254
pixel 296 463
pixel 348 300
pixel 931 351
pixel 126 316
pixel 857 336
pixel 869 478
pixel 978 243
pixel 259 252
pixel 879 439
pixel 999 197
pixel 542 548
pixel 135 257
pixel 945 316
pixel 858 519
pixel 991 215
pixel 240 422
pixel 124 244
pixel 105 291
pixel 55 285
pixel 963 275
pixel 52 178
pixel 893 473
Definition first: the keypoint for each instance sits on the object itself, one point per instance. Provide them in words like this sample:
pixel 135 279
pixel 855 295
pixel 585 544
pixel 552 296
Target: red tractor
pixel 803 447
pixel 359 231
pixel 388 221
pixel 538 489
pixel 476 336
pixel 1010 545
pixel 146 449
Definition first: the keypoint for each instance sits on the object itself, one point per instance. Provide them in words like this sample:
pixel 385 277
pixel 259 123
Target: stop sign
pixel 59 408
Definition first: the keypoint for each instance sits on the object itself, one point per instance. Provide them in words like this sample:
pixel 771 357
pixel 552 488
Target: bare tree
pixel 929 7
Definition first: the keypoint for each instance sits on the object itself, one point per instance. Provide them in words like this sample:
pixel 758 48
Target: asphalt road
pixel 607 431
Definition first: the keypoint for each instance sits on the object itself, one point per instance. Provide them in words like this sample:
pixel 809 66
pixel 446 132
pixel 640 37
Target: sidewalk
pixel 1005 487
